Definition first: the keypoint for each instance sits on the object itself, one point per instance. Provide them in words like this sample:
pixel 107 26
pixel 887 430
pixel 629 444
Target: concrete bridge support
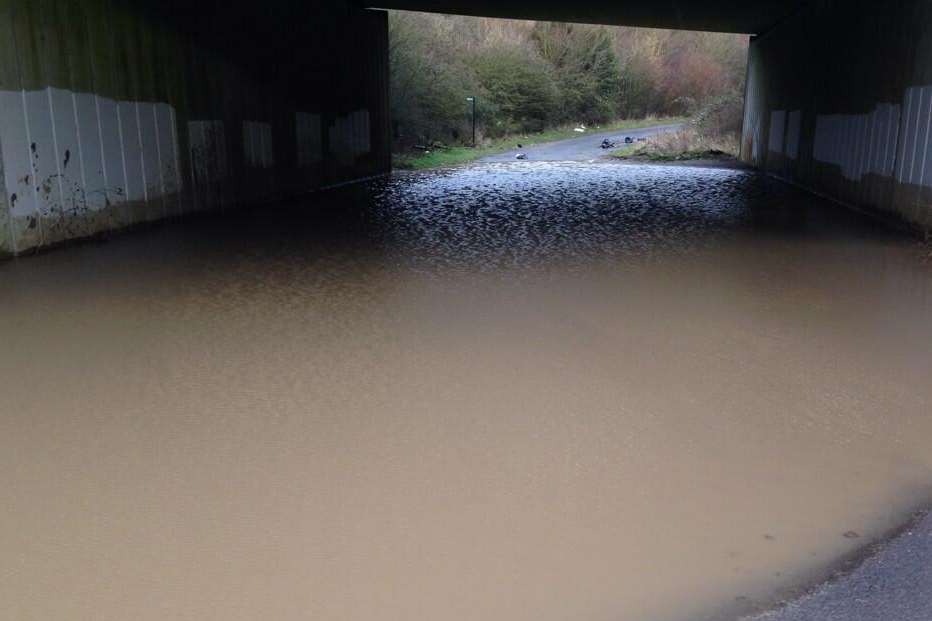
pixel 118 112
pixel 839 100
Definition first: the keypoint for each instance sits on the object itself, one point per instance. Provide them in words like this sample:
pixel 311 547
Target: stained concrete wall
pixel 839 99
pixel 117 112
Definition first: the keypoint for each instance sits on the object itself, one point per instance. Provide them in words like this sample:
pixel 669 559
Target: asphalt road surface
pixel 893 585
pixel 584 148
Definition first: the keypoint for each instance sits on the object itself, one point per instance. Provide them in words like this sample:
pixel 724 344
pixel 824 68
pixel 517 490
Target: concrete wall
pixel 839 99
pixel 116 112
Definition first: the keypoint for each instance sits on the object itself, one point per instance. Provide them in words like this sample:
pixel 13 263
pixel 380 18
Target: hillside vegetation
pixel 531 77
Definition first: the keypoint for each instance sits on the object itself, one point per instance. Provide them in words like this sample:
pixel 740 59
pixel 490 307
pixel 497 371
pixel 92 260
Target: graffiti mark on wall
pixel 209 161
pixel 68 155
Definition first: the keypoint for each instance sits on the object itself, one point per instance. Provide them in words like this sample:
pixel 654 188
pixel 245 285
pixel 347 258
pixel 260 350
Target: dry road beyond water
pixel 586 147
pixel 509 392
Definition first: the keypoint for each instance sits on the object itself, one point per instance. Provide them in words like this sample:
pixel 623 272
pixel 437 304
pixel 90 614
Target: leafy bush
pixel 518 87
pixel 429 83
pixel 586 69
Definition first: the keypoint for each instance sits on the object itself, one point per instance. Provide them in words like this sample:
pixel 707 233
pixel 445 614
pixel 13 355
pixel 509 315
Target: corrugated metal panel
pixel 356 137
pixel 350 137
pixel 793 128
pixel 308 139
pixel 59 146
pixel 914 162
pixel 751 129
pixel 108 118
pixel 860 126
pixel 210 170
pixel 257 144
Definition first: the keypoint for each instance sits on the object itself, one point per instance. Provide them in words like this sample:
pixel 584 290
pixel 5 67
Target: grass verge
pixel 687 144
pixel 452 156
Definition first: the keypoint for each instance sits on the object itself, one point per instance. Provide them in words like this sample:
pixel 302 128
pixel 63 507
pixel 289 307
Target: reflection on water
pixel 508 392
pixel 503 215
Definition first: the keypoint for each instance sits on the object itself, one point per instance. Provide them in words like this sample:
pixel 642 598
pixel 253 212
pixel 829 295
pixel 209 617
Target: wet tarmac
pixel 583 148
pixel 523 391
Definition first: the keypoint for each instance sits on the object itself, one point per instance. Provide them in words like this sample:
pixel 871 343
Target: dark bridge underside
pixel 749 16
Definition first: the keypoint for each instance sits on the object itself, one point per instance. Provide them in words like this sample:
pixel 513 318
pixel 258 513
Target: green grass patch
pixel 626 151
pixel 438 158
pixel 453 156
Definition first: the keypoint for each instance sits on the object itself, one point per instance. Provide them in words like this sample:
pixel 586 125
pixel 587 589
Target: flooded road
pixel 522 392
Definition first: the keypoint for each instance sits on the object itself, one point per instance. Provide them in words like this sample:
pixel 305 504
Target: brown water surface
pixel 520 392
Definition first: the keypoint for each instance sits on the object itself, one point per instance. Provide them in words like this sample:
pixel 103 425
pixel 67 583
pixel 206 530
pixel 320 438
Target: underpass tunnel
pixel 838 94
pixel 117 112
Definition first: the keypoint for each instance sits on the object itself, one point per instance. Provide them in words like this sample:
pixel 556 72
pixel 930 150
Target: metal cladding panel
pixel 166 149
pixel 112 114
pixel 90 152
pixel 839 99
pixel 915 161
pixel 131 152
pixel 111 149
pixel 356 135
pixel 777 131
pixel 210 170
pixel 9 82
pixel 149 148
pixel 11 189
pixel 308 139
pixel 14 147
pixel 40 164
pixel 753 109
pixel 258 149
pixel 793 126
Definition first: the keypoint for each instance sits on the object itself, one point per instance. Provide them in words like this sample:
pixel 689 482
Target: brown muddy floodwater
pixel 517 392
